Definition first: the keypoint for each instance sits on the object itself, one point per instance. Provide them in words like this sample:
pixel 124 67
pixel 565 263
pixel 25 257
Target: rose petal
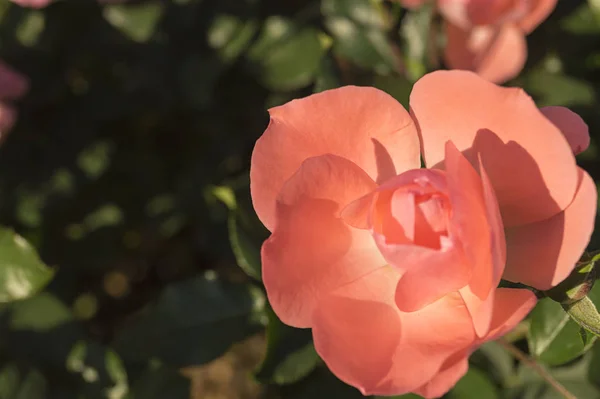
pixel 571 125
pixel 494 53
pixel 451 372
pixel 488 272
pixel 357 329
pixel 311 250
pixel 358 317
pixel 510 308
pixel 537 14
pixel 543 254
pixel 423 350
pixel 534 174
pixel 364 125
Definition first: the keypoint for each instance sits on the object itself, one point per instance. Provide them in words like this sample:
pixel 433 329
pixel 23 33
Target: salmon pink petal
pixel 423 350
pixel 438 274
pixel 538 12
pixel 479 294
pixel 534 175
pixel 495 53
pixel 571 125
pixel 397 352
pixel 311 250
pixel 510 307
pixel 451 372
pixel 364 125
pixel 357 329
pixel 543 254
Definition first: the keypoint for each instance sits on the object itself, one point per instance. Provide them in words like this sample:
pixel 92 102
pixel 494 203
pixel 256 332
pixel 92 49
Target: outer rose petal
pixel 543 254
pixel 539 12
pixel 510 307
pixel 364 125
pixel 311 250
pixel 495 53
pixel 534 175
pixel 357 329
pixel 571 125
pixel 452 371
pixel 362 316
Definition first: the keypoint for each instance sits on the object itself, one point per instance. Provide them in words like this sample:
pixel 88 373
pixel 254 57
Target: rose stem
pixel 523 358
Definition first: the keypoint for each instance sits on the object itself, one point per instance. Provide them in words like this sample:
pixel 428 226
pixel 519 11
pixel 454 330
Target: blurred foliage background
pixel 128 173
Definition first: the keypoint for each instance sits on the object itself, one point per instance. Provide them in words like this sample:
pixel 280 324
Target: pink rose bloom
pixel 44 3
pixel 488 36
pixel 396 268
pixel 32 3
pixel 13 85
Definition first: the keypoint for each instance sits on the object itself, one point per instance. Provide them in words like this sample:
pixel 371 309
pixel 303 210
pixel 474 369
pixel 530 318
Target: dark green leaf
pixel 192 322
pixel 415 32
pixel 290 354
pixel 557 88
pixel 553 337
pixel 288 56
pixel 360 32
pixel 474 385
pixel 22 273
pixel 136 21
pixel 593 374
pixel 41 312
pixel 160 383
pixel 15 384
pixel 496 360
pixel 247 253
pixel 320 384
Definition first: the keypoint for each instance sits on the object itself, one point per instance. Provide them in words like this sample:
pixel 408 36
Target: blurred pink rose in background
pixel 396 268
pixel 13 85
pixel 488 36
pixel 44 3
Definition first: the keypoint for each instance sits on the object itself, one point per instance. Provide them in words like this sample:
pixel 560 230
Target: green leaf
pixel 320 384
pixel 15 385
pixel 554 338
pixel 529 385
pixel 396 86
pixel 556 88
pixel 327 77
pixel 40 313
pixel 231 36
pixel 136 21
pixel 474 385
pixel 360 31
pixel 415 32
pixel 288 56
pixel 192 322
pixel 247 253
pixel 496 360
pixel 290 355
pixel 22 273
pixel 160 382
pixel 593 374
